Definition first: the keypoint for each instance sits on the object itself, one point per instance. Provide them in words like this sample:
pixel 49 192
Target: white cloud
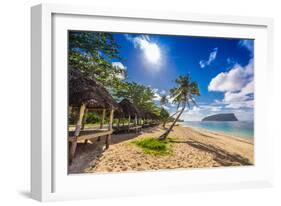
pixel 237 85
pixel 241 99
pixel 118 64
pixel 240 96
pixel 165 107
pixel 150 49
pixel 249 88
pixel 212 57
pixel 233 80
pixel 185 109
pixel 216 109
pixel 239 105
pixel 122 67
pixel 198 113
pixel 244 115
pixel 163 92
pixel 242 110
pixel 230 60
pixel 234 97
pixel 157 96
pixel 170 101
pixel 248 44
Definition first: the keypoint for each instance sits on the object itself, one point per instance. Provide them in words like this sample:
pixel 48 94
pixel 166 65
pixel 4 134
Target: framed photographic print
pixel 135 102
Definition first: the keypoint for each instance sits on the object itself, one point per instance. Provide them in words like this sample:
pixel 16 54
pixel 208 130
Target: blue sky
pixel 222 67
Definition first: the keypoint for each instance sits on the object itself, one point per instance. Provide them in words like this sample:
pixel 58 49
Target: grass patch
pixel 154 146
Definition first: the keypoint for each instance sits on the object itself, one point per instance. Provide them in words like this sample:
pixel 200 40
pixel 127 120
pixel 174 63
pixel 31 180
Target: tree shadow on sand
pixel 87 154
pixel 221 156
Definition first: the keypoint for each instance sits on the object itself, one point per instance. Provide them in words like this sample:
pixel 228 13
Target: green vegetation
pixel 154 146
pixel 164 116
pixel 93 52
pixel 91 117
pixel 140 95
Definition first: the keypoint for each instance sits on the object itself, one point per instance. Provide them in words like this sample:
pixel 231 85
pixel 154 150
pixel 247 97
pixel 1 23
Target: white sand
pixel 192 148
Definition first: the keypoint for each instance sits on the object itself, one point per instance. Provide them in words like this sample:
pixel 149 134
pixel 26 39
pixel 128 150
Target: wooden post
pixel 136 120
pixel 102 119
pixel 84 119
pixel 108 137
pixel 77 131
pixel 118 123
pixel 110 119
pixel 129 122
pixel 70 109
pixel 73 145
pixel 80 119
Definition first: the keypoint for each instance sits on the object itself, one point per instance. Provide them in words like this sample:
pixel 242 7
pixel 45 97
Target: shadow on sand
pixel 221 156
pixel 87 154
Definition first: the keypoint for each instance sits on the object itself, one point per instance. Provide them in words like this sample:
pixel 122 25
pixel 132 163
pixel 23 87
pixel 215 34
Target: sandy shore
pixel 192 148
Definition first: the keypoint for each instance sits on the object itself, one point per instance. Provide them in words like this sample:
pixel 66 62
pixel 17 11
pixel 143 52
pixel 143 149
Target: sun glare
pixel 152 53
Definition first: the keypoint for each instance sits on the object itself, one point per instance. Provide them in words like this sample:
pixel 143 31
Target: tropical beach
pixel 143 102
pixel 192 148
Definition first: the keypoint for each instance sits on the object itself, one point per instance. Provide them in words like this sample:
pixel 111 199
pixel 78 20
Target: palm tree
pixel 183 95
pixel 164 114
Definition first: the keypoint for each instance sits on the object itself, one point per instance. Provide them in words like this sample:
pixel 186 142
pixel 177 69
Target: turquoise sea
pixel 237 128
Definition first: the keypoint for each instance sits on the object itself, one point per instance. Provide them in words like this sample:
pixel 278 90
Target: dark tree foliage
pixel 92 52
pixel 140 95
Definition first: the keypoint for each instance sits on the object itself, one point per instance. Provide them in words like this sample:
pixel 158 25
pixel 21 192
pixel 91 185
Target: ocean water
pixel 237 128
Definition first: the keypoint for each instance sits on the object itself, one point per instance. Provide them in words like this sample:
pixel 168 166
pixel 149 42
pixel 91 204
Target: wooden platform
pixel 125 128
pixel 89 134
pixel 135 128
pixel 149 125
pixel 86 135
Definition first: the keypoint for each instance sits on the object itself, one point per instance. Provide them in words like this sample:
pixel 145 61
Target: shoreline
pixel 246 139
pixel 192 148
pixel 250 138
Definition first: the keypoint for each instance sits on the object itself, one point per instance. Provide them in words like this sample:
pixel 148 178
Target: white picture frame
pixel 49 178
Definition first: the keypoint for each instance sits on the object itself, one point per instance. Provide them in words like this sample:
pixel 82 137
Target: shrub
pixel 154 146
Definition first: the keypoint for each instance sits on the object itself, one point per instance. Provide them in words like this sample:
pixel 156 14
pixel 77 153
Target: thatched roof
pixel 83 89
pixel 146 114
pixel 149 115
pixel 128 108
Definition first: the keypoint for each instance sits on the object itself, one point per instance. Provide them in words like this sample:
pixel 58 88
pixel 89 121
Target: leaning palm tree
pixel 183 95
pixel 164 114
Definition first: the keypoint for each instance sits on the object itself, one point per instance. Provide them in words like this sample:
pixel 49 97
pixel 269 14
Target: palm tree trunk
pixel 173 114
pixel 165 135
pixel 164 123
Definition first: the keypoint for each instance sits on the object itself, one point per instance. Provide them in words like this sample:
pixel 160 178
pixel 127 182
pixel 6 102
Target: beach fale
pixel 128 110
pixel 87 94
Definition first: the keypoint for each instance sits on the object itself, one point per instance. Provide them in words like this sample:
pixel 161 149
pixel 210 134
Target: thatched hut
pixel 88 94
pixel 150 119
pixel 86 90
pixel 128 110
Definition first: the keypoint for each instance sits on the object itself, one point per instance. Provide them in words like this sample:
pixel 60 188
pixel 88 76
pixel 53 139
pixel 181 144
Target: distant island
pixel 221 117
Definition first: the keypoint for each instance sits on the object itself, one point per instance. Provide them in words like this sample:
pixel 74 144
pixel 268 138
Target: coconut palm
pixel 183 95
pixel 163 113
